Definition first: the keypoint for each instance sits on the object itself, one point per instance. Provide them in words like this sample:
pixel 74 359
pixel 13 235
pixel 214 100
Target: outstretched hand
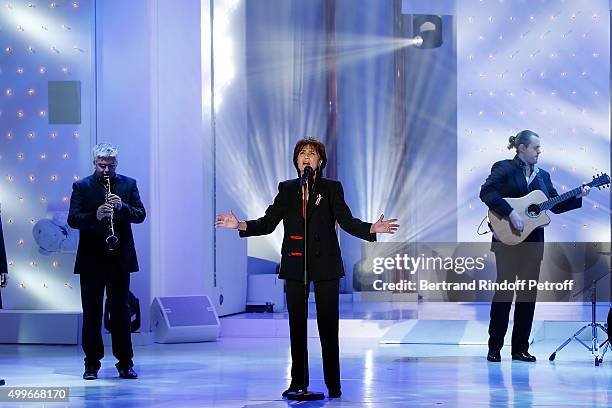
pixel 228 220
pixel 384 226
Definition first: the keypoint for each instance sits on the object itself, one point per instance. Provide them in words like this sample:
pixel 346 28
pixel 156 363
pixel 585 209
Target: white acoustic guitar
pixel 532 209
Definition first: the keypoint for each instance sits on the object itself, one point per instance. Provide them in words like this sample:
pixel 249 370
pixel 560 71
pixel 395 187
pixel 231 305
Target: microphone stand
pixel 304 394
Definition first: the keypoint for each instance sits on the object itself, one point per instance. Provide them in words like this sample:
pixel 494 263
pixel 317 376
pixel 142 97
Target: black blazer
pixel 507 180
pixel 3 261
pixel 87 195
pixel 324 258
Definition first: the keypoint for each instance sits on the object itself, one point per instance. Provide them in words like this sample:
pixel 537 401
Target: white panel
pixel 181 160
pixel 40 326
pixel 124 109
pixel 232 170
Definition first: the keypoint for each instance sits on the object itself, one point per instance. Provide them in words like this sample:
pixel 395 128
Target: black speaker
pixel 134 306
pixel 429 28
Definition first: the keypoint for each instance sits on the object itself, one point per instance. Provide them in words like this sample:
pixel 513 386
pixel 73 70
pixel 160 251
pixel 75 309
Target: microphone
pixel 308 172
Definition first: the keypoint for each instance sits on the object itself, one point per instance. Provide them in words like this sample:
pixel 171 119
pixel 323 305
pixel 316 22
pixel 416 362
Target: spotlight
pixel 429 29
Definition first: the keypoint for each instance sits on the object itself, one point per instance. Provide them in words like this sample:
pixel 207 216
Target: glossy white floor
pixel 252 372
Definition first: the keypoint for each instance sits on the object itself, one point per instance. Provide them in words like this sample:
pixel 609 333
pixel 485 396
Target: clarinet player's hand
pixel 228 220
pixel 105 210
pixel 115 201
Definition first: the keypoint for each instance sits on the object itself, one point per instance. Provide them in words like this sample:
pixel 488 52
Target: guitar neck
pixel 548 204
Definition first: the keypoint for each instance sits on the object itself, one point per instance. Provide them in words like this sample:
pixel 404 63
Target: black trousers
pixel 326 298
pixel 521 262
pixel 610 325
pixel 117 285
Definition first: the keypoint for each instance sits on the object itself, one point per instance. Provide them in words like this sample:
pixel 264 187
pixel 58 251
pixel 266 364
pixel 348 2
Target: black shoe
pixel 494 356
pixel 334 393
pixel 523 356
pixel 90 373
pixel 127 373
pixel 292 388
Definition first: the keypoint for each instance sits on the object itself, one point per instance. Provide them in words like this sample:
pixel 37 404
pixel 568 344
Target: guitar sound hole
pixel 533 210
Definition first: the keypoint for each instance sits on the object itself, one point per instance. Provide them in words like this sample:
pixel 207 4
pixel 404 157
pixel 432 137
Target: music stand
pixel 595 346
pixel 304 394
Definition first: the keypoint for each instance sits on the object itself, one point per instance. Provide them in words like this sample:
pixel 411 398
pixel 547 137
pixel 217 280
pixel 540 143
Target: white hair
pixel 104 150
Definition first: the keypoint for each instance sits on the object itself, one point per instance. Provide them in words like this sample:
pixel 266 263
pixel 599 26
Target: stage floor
pixel 236 372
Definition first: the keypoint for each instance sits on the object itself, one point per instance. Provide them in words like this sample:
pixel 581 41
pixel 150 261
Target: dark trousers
pixel 326 298
pixel 521 262
pixel 117 285
pixel 610 325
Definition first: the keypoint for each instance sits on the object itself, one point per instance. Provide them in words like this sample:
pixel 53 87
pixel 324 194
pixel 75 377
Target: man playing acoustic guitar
pixel 512 179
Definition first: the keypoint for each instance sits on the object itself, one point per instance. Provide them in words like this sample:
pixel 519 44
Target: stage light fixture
pixel 429 29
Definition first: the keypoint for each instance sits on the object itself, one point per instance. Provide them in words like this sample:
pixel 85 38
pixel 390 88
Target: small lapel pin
pixel 318 199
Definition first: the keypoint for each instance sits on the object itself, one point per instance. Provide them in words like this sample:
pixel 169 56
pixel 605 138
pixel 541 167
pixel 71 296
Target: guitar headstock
pixel 600 181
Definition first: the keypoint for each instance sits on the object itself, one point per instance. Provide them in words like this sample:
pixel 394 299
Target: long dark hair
pixel 317 145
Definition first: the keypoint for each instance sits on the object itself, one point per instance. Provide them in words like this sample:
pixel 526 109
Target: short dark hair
pixel 522 137
pixel 317 145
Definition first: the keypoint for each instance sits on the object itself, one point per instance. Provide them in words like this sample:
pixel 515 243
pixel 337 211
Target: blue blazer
pixel 87 195
pixel 326 206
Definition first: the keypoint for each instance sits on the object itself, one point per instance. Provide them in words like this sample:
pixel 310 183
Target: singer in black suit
pixel 513 179
pixel 100 268
pixel 324 206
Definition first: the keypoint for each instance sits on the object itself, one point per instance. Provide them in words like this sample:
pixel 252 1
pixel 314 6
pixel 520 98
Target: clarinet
pixel 111 240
